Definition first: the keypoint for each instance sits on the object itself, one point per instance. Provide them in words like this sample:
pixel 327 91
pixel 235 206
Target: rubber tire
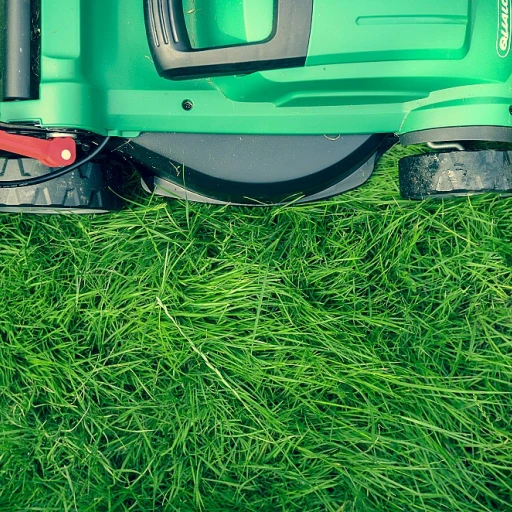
pixel 459 173
pixel 88 189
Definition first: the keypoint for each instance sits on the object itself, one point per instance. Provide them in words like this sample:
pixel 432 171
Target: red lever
pixel 57 152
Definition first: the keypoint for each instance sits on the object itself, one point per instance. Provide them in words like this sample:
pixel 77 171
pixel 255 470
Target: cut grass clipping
pixel 354 355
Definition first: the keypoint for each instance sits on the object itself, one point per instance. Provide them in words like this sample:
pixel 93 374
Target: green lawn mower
pixel 250 101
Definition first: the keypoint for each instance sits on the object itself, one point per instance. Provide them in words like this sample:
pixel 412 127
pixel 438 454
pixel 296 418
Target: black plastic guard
pixel 176 59
pixel 253 169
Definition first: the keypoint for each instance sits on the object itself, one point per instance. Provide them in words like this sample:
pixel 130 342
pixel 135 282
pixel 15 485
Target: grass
pixel 353 355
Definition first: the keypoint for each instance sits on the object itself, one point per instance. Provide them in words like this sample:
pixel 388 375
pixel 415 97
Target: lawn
pixel 353 355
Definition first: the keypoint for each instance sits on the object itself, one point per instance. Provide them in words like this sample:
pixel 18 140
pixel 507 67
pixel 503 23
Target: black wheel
pixel 459 173
pixel 88 189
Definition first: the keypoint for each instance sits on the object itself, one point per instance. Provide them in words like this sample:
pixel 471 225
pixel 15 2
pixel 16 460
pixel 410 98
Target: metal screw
pixel 187 105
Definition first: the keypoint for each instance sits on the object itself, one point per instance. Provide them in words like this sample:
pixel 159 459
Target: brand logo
pixel 504 28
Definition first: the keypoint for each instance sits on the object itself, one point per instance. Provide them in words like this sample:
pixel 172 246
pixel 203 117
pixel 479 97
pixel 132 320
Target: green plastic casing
pixel 376 66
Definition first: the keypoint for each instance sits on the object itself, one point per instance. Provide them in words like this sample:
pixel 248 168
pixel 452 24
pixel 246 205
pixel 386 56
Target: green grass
pixel 354 355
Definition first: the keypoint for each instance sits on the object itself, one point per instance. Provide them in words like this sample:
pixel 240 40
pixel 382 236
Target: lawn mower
pixel 250 102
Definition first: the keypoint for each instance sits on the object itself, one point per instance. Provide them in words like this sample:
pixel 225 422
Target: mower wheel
pixel 88 189
pixel 459 173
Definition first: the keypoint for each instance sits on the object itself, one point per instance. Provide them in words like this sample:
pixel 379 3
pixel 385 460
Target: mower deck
pixel 380 71
pixel 256 101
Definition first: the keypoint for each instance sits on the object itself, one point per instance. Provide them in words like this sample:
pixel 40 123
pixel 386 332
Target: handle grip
pixel 179 31
pixel 175 58
pixel 15 25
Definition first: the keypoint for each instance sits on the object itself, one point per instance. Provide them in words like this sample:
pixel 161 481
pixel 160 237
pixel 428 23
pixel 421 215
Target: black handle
pixel 179 32
pixel 15 26
pixel 176 59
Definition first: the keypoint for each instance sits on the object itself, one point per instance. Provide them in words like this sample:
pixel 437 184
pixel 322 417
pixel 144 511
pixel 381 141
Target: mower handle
pixel 179 32
pixel 15 50
pixel 176 59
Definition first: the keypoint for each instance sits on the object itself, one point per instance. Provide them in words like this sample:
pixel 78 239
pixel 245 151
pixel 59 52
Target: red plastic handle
pixel 57 152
